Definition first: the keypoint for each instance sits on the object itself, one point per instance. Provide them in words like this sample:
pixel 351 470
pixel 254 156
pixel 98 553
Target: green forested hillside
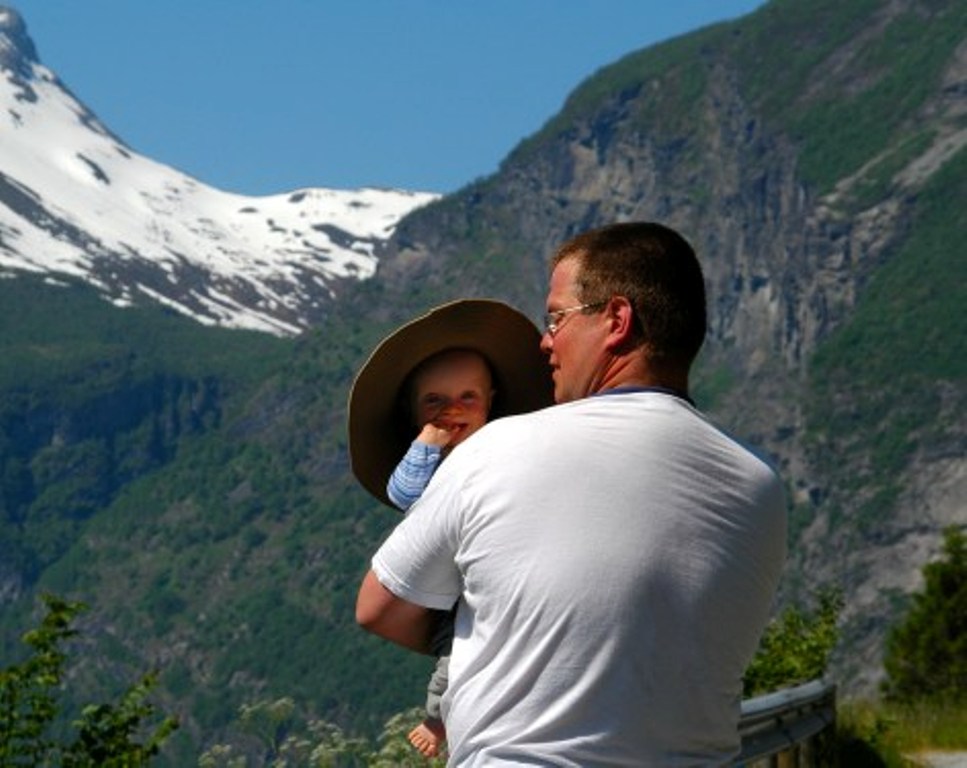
pixel 191 485
pixel 92 398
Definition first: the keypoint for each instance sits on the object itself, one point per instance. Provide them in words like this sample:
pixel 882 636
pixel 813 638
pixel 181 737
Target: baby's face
pixel 453 391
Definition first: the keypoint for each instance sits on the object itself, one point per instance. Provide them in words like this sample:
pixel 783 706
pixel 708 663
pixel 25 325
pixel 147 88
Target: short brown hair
pixel 656 269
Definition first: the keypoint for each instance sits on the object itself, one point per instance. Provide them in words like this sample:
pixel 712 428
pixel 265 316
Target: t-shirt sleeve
pixel 418 561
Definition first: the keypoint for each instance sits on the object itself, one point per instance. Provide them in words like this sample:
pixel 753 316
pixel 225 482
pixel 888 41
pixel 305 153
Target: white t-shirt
pixel 615 560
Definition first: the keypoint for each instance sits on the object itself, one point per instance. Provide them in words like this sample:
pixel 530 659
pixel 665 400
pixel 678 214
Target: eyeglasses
pixel 553 320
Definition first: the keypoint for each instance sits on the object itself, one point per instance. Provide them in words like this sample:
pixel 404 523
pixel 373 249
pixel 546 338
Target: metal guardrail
pixel 791 727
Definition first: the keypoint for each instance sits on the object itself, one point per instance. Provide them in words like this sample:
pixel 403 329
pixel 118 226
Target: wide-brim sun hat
pixel 379 430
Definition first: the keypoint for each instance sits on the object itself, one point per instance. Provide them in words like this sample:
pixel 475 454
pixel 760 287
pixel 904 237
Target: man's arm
pixel 384 614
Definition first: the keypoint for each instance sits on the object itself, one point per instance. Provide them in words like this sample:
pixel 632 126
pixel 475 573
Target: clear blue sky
pixel 267 96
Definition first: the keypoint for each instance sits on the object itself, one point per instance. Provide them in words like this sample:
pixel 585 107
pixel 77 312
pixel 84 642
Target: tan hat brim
pixel 506 338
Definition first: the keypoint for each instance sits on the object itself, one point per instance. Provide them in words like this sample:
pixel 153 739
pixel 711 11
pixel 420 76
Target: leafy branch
pixel 105 735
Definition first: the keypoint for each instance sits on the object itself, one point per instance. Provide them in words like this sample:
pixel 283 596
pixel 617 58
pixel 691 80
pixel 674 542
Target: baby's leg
pixel 428 737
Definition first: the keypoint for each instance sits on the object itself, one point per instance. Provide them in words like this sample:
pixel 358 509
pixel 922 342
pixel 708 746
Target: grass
pixel 877 734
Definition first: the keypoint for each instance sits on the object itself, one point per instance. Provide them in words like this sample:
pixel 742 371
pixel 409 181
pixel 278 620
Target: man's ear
pixel 621 318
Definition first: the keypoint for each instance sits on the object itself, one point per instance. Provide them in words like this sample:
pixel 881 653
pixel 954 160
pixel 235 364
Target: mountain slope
pixel 75 200
pixel 191 485
pixel 814 154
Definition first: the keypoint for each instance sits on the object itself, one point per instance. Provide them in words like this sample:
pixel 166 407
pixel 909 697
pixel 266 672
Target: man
pixel 614 558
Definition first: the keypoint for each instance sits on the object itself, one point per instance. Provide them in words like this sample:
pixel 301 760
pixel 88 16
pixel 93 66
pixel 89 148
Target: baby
pixel 450 396
pixel 440 378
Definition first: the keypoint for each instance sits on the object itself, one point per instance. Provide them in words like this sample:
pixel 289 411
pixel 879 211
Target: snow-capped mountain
pixel 76 200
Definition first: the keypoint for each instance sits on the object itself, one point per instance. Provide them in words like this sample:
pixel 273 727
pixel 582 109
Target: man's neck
pixel 628 372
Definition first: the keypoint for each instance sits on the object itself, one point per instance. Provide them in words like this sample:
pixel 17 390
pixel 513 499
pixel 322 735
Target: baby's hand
pixel 431 434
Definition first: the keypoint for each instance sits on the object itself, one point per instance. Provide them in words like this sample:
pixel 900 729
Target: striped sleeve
pixel 412 474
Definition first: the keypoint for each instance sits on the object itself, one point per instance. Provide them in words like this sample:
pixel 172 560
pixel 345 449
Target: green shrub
pixel 926 655
pixel 279 738
pixel 104 735
pixel 795 647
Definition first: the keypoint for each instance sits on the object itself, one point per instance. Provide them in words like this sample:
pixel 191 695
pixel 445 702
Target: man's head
pixel 626 305
pixel 452 390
